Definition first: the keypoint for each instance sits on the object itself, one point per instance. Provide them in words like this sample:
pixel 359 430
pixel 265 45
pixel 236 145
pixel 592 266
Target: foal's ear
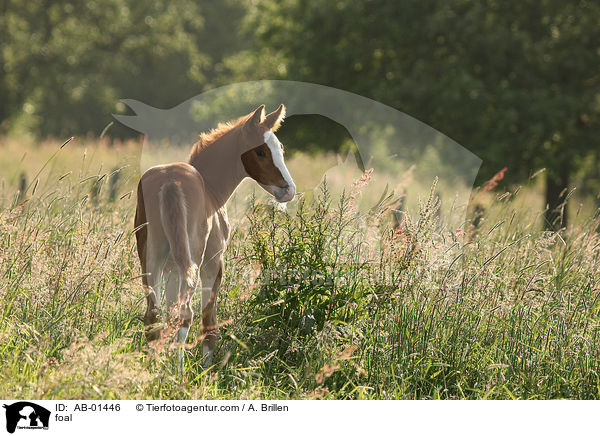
pixel 257 117
pixel 274 119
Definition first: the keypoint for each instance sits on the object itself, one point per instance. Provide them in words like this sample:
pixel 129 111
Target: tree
pixel 66 64
pixel 516 82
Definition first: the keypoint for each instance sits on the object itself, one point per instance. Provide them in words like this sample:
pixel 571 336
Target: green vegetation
pixel 324 303
pixel 65 65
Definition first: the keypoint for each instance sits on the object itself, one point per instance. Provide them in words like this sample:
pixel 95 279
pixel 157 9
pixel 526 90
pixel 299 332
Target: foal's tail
pixel 173 213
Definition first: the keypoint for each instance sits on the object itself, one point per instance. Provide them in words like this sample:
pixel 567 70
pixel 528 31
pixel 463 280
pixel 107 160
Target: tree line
pixel 516 82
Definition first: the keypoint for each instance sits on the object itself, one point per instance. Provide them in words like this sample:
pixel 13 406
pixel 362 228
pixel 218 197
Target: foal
pixel 186 234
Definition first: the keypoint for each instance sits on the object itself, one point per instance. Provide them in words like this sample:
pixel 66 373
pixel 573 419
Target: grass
pixel 327 302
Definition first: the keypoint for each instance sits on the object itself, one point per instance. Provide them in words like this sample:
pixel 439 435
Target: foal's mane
pixel 209 138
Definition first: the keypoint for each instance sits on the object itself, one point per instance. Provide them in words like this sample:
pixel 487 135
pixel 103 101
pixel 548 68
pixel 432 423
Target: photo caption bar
pixel 72 417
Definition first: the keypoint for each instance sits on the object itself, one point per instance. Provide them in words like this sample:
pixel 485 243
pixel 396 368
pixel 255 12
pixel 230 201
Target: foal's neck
pixel 220 166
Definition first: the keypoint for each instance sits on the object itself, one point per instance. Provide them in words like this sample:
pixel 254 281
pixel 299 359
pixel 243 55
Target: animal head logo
pixel 24 414
pixel 405 154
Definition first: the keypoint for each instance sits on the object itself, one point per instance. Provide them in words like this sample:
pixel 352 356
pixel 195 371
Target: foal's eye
pixel 261 153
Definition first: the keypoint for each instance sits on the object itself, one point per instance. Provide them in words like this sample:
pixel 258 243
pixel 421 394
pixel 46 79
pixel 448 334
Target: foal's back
pixel 190 185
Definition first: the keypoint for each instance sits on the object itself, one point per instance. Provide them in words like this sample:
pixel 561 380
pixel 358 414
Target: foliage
pixel 514 82
pixel 67 64
pixel 303 281
pixel 488 74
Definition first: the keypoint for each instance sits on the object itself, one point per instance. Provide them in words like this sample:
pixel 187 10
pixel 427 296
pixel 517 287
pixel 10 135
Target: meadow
pixel 328 302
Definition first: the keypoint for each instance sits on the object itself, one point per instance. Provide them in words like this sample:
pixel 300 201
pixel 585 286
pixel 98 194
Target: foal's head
pixel 264 163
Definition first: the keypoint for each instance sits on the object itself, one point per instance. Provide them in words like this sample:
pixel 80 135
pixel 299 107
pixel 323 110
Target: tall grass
pixel 328 302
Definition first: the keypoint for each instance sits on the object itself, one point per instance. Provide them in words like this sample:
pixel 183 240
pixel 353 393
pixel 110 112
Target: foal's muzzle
pixel 285 193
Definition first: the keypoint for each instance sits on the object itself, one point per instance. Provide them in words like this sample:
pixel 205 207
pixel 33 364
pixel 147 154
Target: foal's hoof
pixel 153 332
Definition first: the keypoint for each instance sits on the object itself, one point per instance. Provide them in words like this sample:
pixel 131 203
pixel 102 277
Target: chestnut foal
pixel 186 234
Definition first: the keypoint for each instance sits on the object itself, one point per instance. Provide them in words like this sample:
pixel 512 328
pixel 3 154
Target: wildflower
pixel 493 182
pixel 364 179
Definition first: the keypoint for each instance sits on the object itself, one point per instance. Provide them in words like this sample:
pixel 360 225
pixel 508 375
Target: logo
pixel 26 415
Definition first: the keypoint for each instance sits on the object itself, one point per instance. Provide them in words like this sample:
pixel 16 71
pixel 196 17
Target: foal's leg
pixel 152 256
pixel 152 270
pixel 211 276
pixel 180 288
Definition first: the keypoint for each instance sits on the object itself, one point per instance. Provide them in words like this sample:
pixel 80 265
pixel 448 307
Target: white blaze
pixel 277 153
